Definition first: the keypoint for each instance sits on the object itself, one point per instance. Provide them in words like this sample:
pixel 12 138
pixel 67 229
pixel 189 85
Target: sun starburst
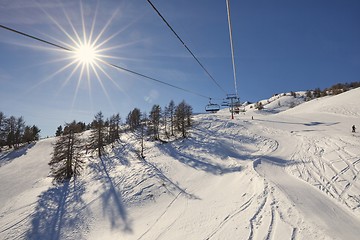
pixel 87 49
pixel 86 54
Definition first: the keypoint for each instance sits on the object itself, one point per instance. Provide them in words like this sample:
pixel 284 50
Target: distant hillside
pixel 284 101
pixel 278 102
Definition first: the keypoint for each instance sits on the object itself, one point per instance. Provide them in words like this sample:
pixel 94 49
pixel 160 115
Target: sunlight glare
pixel 85 54
pixel 87 49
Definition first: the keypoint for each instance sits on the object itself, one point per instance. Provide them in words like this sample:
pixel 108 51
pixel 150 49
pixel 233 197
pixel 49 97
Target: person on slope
pixel 353 128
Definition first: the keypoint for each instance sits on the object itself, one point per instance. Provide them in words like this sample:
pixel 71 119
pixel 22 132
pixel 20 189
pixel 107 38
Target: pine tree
pixel 13 131
pixel 10 131
pixel 114 128
pixel 76 127
pixel 133 119
pixel 142 134
pixel 183 113
pixel 35 133
pixel 28 135
pixel 308 95
pixel 171 110
pixel 155 116
pixel 59 131
pixel 98 133
pixel 317 93
pixel 188 115
pixel 31 134
pixel 19 131
pixel 2 129
pixel 66 159
pixel 165 119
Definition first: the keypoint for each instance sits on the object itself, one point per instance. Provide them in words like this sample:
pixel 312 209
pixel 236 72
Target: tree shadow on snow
pixel 308 124
pixel 165 179
pixel 197 162
pixel 59 213
pixel 235 146
pixel 274 161
pixel 120 151
pixel 7 157
pixel 111 198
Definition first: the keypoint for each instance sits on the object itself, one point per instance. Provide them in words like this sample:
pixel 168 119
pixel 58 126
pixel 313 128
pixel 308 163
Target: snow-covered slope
pixel 279 102
pixel 289 175
pixel 346 104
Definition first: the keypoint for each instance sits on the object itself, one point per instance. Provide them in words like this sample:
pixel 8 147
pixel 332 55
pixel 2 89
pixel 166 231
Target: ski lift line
pixel 105 62
pixel 154 79
pixel 183 43
pixel 35 38
pixel 231 45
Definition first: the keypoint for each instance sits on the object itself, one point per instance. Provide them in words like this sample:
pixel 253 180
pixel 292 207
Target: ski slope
pixel 285 174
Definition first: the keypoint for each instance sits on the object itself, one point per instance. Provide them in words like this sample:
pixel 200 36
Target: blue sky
pixel 280 46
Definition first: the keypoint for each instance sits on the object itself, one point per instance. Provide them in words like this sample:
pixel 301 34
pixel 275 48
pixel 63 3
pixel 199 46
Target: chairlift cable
pixel 105 62
pixel 155 80
pixel 183 43
pixel 232 46
pixel 35 38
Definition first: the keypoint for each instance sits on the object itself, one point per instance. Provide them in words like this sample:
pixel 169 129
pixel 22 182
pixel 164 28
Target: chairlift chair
pixel 236 110
pixel 225 104
pixel 212 107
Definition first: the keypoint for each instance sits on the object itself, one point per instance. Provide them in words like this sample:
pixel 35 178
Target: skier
pixel 353 128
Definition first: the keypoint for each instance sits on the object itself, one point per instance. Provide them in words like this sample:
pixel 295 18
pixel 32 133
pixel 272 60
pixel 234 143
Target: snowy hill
pixel 346 104
pixel 292 173
pixel 279 102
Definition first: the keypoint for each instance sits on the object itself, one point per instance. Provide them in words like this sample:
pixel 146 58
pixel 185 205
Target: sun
pixel 86 47
pixel 85 54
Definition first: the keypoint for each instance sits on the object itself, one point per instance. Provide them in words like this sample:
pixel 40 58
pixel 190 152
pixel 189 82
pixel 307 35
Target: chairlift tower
pixel 233 100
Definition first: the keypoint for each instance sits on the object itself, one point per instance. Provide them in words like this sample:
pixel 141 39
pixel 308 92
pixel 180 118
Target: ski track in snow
pixel 314 168
pixel 339 167
pixel 230 216
pixel 162 214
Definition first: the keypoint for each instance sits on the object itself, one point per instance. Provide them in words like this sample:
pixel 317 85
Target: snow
pixel 291 172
